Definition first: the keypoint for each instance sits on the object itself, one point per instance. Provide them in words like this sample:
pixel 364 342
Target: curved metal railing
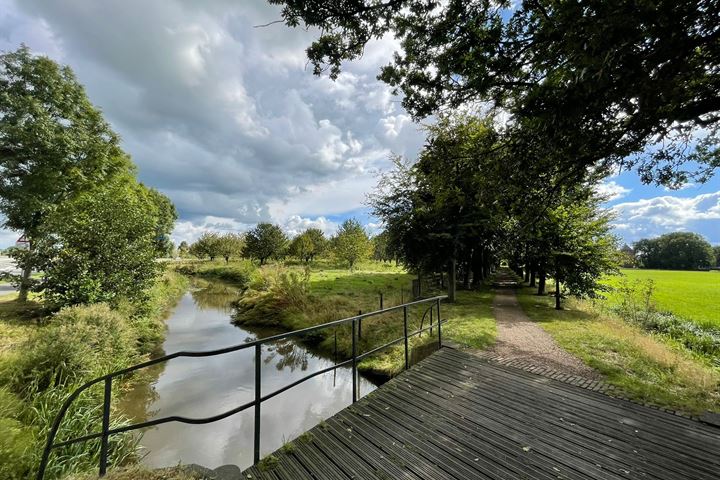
pixel 106 431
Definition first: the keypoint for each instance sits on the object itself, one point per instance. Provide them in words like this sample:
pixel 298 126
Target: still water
pixel 201 387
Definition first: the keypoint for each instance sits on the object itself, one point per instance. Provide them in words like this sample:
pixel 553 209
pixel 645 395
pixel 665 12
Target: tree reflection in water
pixel 214 295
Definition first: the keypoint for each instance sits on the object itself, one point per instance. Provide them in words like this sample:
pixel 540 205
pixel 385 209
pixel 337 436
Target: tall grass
pixel 42 367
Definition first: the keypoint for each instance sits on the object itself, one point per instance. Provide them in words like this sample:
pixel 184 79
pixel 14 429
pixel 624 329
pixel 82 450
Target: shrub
pixel 79 343
pixel 272 295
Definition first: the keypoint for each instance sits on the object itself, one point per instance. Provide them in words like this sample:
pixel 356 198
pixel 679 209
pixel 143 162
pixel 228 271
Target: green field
pixel 691 295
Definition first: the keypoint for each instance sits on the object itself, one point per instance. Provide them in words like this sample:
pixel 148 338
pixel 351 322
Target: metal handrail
pixel 259 398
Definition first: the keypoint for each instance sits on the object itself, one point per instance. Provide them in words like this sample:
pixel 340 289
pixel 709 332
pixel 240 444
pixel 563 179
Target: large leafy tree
pixel 101 245
pixel 351 243
pixel 308 245
pixel 54 144
pixel 207 246
pixel 231 245
pixel 265 241
pixel 597 81
pixel 441 213
pixel 675 251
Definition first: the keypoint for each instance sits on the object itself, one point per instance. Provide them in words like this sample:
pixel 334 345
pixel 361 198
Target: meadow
pixel 692 295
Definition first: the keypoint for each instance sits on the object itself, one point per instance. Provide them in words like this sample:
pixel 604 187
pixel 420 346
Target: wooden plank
pixel 651 432
pixel 457 416
pixel 492 405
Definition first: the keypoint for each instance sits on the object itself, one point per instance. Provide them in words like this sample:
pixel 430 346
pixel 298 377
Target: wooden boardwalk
pixel 456 416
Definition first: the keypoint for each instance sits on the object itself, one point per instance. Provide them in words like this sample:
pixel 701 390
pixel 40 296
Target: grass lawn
pixel 692 295
pixel 647 368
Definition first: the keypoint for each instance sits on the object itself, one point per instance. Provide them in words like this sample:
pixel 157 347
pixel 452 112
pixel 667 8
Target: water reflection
pixel 200 387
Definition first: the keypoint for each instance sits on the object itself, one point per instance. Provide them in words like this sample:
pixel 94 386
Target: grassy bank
pixel 650 368
pixel 297 296
pixel 691 295
pixel 44 358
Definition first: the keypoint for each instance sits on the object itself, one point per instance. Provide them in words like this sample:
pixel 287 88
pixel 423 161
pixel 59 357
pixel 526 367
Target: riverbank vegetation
pixel 298 295
pixel 93 236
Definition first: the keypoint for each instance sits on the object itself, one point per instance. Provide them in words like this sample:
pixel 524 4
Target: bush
pixel 239 273
pixel 272 295
pixel 80 343
pixel 16 441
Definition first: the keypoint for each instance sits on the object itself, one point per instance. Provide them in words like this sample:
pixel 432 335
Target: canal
pixel 201 387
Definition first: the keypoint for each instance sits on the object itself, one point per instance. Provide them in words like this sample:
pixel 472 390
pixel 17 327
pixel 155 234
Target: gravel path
pixel 521 338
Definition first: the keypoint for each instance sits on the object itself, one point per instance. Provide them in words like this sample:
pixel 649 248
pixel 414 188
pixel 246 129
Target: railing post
pixel 256 445
pixel 336 345
pixel 431 319
pixel 405 332
pixel 439 323
pixel 381 301
pixel 354 361
pixel 360 325
pixel 105 426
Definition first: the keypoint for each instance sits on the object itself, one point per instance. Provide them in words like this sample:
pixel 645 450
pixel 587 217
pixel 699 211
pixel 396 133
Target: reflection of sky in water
pixel 201 387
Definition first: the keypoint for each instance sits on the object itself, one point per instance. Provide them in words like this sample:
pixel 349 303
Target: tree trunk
pixel 532 276
pixel 527 274
pixel 466 276
pixel 452 280
pixel 557 295
pixel 541 282
pixel 25 281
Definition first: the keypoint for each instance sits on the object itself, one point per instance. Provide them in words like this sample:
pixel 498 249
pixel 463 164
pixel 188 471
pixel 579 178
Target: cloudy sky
pixel 228 120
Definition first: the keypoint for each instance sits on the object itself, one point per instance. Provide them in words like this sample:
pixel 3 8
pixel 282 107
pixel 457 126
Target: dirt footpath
pixel 521 338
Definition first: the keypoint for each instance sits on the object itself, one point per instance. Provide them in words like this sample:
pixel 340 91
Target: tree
pixel 381 247
pixel 599 82
pixel 265 241
pixel 716 252
pixel 626 257
pixel 208 245
pixel 167 215
pixel 183 249
pixel 100 246
pixel 230 245
pixel 54 144
pixel 308 245
pixel 675 251
pixel 351 243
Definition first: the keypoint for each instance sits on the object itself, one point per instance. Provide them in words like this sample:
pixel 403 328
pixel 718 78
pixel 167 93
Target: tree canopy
pixel 675 251
pixel 55 143
pixel 599 82
pixel 265 241
pixel 351 243
pixel 308 245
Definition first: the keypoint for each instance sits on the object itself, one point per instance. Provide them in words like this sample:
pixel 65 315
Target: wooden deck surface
pixel 456 416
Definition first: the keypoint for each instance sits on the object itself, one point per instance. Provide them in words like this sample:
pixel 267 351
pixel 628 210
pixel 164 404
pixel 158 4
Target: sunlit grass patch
pixel 646 367
pixel 692 295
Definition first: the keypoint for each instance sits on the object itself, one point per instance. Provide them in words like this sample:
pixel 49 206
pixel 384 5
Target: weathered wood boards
pixel 456 416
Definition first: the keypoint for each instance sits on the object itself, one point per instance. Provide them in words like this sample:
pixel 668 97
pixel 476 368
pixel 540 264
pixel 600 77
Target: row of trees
pixel 460 209
pixel 69 189
pixel 672 251
pixel 266 241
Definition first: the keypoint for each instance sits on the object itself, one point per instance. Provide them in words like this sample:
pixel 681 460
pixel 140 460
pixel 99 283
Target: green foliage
pixel 239 272
pixel 264 242
pixel 64 149
pixel 351 243
pixel 273 295
pixel 79 343
pixel 230 245
pixel 596 83
pixel 183 249
pixel 675 251
pixel 382 251
pixel 716 253
pixel 100 246
pixel 207 246
pixel 308 245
